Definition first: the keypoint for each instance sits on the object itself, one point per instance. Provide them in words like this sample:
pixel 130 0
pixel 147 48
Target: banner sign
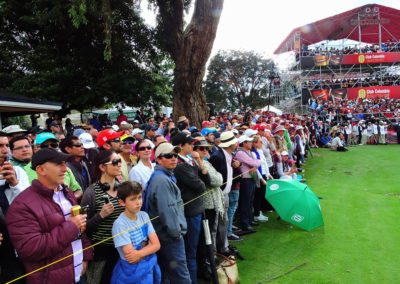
pixel 349 59
pixel 390 92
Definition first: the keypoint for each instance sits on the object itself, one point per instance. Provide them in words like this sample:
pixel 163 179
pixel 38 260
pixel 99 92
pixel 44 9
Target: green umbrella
pixel 295 203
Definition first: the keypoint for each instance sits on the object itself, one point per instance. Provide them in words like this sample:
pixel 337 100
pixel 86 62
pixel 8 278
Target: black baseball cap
pixel 49 155
pixel 182 138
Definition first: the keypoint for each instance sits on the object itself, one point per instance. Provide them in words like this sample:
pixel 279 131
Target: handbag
pixel 227 270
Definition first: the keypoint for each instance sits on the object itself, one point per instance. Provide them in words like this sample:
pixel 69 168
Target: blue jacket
pixel 165 200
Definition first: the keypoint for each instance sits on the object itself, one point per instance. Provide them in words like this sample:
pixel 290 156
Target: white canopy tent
pixel 272 109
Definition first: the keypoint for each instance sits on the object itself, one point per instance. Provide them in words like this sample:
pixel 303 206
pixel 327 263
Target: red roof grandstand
pixel 345 26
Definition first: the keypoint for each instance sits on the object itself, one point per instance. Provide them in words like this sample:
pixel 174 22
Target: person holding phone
pixel 104 209
pixel 41 226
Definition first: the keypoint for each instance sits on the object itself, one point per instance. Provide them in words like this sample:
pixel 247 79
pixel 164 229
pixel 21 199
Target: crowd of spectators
pixel 127 173
pixel 386 80
pixel 389 46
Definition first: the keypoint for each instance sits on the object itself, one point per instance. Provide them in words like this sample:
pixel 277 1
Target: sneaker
pixel 234 238
pixel 261 218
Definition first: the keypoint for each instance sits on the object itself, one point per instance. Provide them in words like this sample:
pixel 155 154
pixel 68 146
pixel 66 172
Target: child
pixel 136 246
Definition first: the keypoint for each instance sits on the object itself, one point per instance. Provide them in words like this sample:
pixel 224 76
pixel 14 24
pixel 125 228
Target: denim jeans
pixel 191 242
pixel 233 204
pixel 172 261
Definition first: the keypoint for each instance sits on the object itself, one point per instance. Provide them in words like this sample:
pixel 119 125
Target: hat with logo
pixel 87 140
pixel 49 155
pixel 259 127
pixel 42 137
pixel 107 134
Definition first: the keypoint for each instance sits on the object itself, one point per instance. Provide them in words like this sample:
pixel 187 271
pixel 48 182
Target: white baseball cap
pixel 244 138
pixel 87 140
pixel 250 132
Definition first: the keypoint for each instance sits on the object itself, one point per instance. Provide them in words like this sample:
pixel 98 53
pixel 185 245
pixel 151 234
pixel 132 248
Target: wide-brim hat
pixel 201 141
pixel 13 129
pixel 182 118
pixel 244 138
pixel 227 139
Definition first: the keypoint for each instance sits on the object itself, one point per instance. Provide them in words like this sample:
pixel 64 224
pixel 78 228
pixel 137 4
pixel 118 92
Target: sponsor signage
pixel 390 92
pixel 348 59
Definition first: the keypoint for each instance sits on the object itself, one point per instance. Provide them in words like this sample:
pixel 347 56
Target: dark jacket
pixel 218 161
pixel 40 234
pixel 192 183
pixel 164 199
pixel 77 169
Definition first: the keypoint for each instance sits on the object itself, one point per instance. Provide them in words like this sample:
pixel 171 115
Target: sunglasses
pixel 114 162
pixel 47 145
pixel 116 140
pixel 77 145
pixel 169 156
pixel 144 148
pixel 201 148
pixel 127 142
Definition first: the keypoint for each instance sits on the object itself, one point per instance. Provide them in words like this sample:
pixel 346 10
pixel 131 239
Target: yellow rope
pixel 109 238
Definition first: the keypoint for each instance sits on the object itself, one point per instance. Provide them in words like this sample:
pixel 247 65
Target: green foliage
pixel 23 121
pixel 238 78
pixel 84 53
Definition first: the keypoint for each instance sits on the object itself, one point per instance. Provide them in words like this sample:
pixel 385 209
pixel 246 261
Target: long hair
pixel 103 157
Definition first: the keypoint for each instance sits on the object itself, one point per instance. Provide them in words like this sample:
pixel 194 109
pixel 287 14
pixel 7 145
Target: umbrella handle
pixel 207 235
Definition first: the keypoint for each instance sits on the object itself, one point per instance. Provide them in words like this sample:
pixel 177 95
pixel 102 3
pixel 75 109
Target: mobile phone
pixel 106 199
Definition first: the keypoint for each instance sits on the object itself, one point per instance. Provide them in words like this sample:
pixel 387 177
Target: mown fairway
pixel 360 241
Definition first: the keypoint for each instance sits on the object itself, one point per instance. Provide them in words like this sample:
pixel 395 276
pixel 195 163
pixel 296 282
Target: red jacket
pixel 40 234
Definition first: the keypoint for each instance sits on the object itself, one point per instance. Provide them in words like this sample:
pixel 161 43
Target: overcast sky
pixel 261 25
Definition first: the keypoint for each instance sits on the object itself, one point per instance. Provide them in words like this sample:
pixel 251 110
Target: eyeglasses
pixel 77 145
pixel 169 156
pixel 47 145
pixel 116 140
pixel 114 162
pixel 201 148
pixel 22 147
pixel 144 148
pixel 127 142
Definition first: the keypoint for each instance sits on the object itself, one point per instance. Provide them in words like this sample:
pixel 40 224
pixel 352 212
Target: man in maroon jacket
pixel 42 228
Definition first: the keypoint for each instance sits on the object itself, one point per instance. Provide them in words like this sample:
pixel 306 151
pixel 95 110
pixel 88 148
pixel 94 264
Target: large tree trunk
pixel 189 99
pixel 190 49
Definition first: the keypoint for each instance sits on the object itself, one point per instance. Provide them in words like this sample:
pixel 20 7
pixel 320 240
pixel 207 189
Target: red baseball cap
pixel 106 135
pixel 259 127
pixel 205 123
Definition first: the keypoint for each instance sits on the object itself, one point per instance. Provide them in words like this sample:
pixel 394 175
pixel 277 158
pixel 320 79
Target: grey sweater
pixel 164 199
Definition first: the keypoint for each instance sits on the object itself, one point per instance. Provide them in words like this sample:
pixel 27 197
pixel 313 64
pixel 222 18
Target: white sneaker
pixel 261 218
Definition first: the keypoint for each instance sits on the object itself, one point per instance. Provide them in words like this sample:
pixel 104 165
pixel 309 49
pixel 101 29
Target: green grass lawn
pixel 360 241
